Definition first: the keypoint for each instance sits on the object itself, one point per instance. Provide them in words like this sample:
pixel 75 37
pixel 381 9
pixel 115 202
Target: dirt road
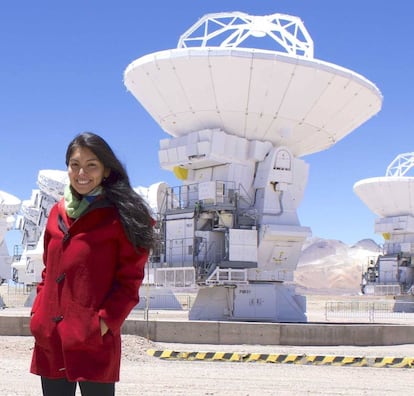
pixel 142 374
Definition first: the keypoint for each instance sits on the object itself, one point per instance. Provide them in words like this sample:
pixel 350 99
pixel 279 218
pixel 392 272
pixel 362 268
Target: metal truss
pixel 234 28
pixel 401 164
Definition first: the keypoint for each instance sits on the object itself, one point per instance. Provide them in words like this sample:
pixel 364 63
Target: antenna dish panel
pixel 306 105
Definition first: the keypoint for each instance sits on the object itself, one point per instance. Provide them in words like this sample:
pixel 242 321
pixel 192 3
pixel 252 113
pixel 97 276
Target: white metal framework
pixel 401 164
pixel 234 28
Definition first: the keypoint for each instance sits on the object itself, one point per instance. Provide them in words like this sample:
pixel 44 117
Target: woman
pixel 96 243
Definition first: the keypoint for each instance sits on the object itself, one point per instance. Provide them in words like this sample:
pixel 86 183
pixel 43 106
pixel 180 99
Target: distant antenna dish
pixel 52 182
pixel 9 204
pixel 391 195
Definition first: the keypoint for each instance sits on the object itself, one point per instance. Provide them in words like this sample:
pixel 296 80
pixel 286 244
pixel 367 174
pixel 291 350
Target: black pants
pixel 62 387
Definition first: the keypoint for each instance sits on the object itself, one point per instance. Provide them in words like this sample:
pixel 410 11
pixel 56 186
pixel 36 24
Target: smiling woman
pixel 96 243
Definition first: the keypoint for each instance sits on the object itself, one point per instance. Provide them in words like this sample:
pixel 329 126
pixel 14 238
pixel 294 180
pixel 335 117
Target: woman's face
pixel 85 170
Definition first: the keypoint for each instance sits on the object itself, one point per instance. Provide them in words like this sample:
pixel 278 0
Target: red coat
pixel 93 273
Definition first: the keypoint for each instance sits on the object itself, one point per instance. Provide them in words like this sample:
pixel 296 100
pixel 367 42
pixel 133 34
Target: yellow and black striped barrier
pixel 355 361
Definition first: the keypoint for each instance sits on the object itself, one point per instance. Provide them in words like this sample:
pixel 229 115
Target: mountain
pixel 331 267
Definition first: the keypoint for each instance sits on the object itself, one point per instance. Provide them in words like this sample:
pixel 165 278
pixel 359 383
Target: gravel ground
pixel 142 374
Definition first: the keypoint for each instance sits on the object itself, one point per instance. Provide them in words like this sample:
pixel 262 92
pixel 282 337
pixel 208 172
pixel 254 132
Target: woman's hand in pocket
pixel 104 327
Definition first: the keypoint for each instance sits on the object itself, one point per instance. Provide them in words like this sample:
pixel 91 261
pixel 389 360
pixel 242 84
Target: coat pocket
pixel 80 328
pixel 42 328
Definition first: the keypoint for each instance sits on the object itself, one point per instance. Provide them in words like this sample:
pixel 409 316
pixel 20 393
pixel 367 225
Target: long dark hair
pixel 133 210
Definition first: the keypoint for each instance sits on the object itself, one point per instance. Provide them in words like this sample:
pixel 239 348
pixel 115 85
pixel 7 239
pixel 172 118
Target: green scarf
pixel 74 206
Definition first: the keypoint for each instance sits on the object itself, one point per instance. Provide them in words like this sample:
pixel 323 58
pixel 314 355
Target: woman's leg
pixel 97 388
pixel 60 386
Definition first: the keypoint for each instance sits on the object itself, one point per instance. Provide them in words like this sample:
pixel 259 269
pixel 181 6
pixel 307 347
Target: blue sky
pixel 61 72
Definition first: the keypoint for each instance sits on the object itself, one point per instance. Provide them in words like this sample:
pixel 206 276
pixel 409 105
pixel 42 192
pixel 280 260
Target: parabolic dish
pixel 387 196
pixel 52 182
pixel 9 204
pixel 305 104
pixel 154 195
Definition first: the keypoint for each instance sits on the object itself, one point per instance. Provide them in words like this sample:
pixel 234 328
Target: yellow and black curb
pixel 355 361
